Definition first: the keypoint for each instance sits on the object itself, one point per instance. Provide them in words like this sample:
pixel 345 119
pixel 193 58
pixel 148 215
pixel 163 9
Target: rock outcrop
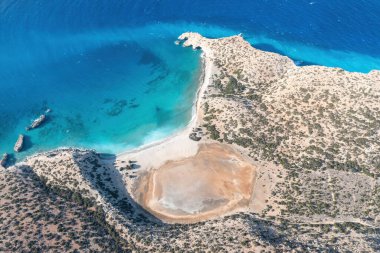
pixel 37 122
pixel 4 159
pixel 19 143
pixel 196 134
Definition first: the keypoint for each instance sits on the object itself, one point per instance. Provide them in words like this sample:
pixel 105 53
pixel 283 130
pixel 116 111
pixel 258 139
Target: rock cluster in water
pixel 20 141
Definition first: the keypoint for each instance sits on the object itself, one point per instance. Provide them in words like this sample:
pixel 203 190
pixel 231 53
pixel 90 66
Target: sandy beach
pixel 178 145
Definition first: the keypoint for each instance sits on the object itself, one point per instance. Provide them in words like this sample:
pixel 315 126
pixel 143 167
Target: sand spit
pixel 213 182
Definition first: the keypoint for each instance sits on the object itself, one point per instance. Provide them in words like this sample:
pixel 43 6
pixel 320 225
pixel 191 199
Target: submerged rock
pixel 117 107
pixel 4 160
pixel 37 122
pixel 19 144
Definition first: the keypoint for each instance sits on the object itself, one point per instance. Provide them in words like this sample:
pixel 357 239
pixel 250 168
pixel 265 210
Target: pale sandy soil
pixel 214 181
pixel 267 177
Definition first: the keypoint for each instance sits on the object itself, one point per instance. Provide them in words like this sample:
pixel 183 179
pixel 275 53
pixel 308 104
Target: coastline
pixel 177 145
pixel 276 139
pixel 179 133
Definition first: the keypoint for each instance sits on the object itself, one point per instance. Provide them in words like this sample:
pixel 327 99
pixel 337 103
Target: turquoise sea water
pixel 114 78
pixel 111 98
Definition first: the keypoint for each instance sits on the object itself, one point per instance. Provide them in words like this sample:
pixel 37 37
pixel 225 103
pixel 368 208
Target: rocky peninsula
pixel 288 160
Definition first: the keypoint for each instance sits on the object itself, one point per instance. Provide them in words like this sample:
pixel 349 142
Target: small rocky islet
pixel 19 143
pixel 37 122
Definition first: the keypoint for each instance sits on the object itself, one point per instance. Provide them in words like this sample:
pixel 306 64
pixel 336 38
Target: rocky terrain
pixel 311 133
pixel 74 205
pixel 37 218
pixel 321 125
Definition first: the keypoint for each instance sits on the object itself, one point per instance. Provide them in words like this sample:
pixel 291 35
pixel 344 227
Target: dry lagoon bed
pixel 214 181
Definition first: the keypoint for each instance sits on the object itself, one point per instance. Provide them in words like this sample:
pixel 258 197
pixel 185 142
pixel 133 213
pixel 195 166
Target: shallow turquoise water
pixel 114 79
pixel 113 97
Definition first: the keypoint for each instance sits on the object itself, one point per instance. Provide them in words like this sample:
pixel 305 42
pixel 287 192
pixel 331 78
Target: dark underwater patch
pixel 148 58
pixel 117 108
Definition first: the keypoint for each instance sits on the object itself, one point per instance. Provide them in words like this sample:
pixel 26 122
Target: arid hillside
pixel 320 125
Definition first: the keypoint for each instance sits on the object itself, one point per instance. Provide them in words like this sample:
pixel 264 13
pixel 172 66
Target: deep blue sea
pixel 114 79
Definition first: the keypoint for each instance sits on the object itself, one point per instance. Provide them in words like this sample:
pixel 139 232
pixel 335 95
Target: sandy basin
pixel 214 181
